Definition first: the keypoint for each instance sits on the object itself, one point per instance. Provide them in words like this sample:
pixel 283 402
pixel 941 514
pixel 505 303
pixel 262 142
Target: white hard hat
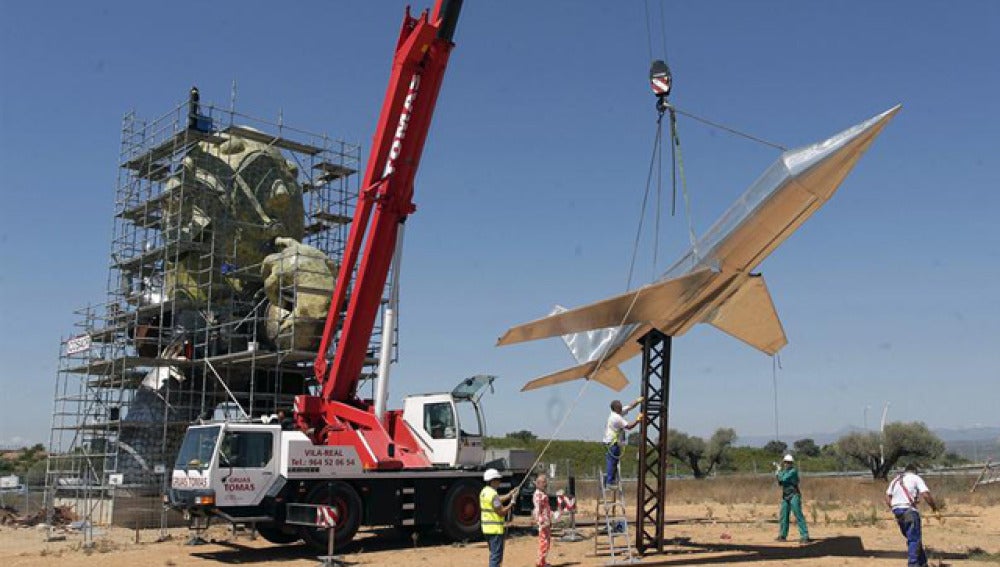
pixel 789 459
pixel 491 474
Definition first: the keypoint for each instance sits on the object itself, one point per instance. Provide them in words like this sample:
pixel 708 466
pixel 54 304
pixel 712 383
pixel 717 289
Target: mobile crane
pixel 419 466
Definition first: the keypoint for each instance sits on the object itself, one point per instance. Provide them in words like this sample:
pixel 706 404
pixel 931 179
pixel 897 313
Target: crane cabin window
pixel 439 420
pixel 246 449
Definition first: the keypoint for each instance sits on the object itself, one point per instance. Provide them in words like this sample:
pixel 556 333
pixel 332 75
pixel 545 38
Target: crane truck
pixel 417 467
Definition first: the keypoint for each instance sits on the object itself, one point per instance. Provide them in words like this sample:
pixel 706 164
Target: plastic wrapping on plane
pixel 790 165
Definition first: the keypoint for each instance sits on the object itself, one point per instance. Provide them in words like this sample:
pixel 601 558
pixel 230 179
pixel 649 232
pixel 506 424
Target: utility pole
pixel 881 437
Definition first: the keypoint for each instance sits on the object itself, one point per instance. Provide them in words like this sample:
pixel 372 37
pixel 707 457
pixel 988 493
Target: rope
pixel 659 197
pixel 728 129
pixel 649 32
pixel 635 252
pixel 775 365
pixel 645 199
pixel 663 34
pixel 579 395
pixel 673 178
pixel 680 168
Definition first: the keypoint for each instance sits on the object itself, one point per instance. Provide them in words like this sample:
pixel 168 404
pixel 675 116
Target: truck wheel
pixel 275 534
pixel 460 519
pixel 347 505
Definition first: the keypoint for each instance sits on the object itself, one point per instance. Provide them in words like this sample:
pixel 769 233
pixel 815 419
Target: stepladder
pixel 612 533
pixel 989 475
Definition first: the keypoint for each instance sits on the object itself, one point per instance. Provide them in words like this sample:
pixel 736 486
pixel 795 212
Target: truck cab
pixel 450 427
pixel 226 465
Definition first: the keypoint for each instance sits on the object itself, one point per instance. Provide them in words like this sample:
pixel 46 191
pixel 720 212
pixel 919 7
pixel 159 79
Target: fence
pixel 23 501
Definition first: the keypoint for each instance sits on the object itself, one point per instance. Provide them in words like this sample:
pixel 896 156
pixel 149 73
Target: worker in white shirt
pixel 904 494
pixel 614 437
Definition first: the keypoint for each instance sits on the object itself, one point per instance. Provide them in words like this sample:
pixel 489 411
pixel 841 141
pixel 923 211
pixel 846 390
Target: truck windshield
pixel 198 447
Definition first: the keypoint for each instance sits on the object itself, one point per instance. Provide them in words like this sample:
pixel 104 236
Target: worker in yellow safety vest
pixel 492 513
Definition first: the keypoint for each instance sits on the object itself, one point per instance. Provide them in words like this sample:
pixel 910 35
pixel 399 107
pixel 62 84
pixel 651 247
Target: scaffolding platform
pixel 332 171
pixel 332 218
pixel 271 140
pixel 144 262
pixel 149 164
pixel 99 367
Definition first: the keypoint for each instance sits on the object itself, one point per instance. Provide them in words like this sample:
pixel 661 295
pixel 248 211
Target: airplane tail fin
pixel 750 316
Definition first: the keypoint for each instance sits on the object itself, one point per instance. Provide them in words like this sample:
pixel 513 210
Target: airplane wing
pixel 639 306
pixel 749 315
pixel 610 376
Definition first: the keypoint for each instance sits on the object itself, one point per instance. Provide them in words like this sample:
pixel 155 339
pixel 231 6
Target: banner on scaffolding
pixel 79 344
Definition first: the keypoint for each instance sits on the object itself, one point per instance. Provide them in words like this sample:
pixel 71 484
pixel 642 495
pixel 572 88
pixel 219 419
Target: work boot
pixel 805 540
pixel 780 538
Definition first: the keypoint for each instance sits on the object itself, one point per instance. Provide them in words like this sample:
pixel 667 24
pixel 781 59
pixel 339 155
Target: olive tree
pixel 703 457
pixel 776 447
pixel 806 447
pixel 900 440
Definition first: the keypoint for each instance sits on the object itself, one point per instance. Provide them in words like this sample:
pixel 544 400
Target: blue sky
pixel 532 178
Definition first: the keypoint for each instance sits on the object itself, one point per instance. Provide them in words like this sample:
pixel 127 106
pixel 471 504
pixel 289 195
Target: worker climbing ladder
pixel 612 521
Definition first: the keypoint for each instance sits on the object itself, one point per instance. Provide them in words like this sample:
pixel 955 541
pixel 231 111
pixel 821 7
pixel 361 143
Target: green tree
pixel 701 456
pixel 806 447
pixel 911 440
pixel 776 447
pixel 523 435
pixel 719 445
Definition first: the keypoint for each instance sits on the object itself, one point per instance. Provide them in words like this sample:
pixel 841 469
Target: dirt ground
pixel 734 525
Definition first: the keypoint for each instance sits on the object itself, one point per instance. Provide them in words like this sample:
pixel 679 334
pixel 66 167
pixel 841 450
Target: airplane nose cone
pixel 822 167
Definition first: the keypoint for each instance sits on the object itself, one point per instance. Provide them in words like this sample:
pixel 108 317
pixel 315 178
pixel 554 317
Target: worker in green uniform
pixel 791 500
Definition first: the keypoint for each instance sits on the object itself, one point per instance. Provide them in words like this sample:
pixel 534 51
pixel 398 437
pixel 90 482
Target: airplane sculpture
pixel 714 281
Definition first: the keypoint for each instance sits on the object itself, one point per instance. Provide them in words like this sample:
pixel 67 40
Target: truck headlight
pixel 205 500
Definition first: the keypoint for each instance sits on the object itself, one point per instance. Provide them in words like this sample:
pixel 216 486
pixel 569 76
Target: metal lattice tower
pixel 651 485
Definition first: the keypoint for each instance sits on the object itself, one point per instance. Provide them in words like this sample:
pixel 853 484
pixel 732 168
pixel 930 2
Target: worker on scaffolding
pixel 614 437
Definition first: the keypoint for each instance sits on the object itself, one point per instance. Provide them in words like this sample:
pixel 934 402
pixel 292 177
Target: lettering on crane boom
pixel 306 460
pixel 404 121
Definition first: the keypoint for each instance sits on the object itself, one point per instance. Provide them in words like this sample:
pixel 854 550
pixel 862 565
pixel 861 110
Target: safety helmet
pixel 789 459
pixel 491 474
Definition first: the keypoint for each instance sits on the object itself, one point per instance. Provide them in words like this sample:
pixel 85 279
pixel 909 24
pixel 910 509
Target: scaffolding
pixel 203 316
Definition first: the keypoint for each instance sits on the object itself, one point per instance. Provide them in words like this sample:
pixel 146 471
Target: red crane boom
pixel 385 201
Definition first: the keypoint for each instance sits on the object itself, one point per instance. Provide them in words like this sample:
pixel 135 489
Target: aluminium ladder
pixel 612 521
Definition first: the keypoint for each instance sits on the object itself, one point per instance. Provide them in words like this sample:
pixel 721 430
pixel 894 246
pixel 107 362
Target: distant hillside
pixel 976 451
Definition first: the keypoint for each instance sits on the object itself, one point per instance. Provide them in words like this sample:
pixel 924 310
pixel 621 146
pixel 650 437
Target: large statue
pixel 298 281
pixel 230 202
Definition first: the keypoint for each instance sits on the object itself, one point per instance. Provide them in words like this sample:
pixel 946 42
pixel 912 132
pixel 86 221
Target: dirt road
pixel 703 534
